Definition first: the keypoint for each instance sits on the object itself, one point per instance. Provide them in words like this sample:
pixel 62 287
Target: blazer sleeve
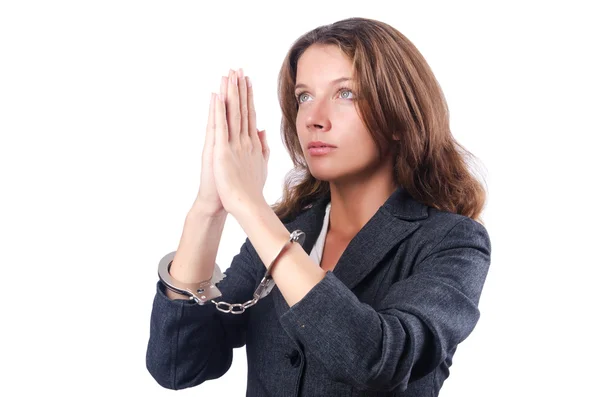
pixel 190 343
pixel 416 325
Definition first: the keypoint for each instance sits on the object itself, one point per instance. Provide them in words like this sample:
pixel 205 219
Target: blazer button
pixel 294 358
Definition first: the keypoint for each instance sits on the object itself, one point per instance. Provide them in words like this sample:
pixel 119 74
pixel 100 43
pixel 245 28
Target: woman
pixel 386 283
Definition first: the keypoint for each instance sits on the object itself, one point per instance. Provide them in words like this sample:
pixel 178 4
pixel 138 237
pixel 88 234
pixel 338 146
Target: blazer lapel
pixel 390 225
pixel 370 245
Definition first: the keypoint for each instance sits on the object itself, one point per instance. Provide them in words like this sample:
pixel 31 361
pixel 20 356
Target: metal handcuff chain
pixel 207 291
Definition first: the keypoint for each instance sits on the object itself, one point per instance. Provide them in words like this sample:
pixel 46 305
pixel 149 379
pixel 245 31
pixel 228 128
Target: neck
pixel 353 204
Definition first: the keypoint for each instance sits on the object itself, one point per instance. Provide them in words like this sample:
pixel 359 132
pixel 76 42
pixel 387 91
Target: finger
pixel 223 88
pixel 209 138
pixel 243 105
pixel 221 130
pixel 262 136
pixel 233 108
pixel 251 114
pixel 223 92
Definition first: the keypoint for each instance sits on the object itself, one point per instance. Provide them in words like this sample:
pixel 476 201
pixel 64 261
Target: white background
pixel 103 107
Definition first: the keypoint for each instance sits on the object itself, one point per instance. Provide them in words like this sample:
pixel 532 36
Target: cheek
pixel 299 121
pixel 301 130
pixel 302 113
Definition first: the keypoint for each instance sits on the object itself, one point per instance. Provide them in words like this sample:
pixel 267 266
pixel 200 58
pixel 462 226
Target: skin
pixel 240 159
pixel 241 152
pixel 360 183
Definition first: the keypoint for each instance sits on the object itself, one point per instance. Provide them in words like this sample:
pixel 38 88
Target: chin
pixel 320 177
pixel 323 175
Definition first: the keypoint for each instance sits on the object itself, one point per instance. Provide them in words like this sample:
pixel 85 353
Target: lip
pixel 320 151
pixel 317 144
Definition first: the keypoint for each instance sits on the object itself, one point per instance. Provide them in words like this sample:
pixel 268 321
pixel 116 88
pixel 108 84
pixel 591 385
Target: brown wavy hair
pixel 402 106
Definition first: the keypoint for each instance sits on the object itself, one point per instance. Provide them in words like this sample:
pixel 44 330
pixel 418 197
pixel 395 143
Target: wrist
pixel 249 210
pixel 199 210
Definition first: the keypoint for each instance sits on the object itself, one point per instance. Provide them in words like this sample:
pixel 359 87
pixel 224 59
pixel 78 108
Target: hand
pixel 208 199
pixel 241 153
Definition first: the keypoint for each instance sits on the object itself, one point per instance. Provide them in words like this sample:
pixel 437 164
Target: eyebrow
pixel 333 82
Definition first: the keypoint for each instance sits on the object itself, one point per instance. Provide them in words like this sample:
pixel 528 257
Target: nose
pixel 317 117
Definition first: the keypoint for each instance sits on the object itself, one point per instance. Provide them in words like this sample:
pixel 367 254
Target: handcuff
pixel 207 291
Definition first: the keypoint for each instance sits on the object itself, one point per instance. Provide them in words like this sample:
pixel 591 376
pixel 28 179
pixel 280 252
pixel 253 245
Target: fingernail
pixel 240 72
pixel 233 78
pixel 248 82
pixel 221 97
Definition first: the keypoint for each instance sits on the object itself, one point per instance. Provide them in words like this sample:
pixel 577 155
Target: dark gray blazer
pixel 385 322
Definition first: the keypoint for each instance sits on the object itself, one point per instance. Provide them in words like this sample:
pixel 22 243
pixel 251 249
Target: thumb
pixel 262 135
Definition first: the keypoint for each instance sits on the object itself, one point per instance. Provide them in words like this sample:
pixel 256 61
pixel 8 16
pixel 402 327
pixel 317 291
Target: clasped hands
pixel 240 152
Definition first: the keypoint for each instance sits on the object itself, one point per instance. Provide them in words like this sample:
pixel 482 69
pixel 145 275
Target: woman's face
pixel 327 112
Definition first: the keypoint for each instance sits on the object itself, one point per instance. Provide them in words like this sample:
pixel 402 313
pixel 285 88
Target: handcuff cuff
pixel 205 291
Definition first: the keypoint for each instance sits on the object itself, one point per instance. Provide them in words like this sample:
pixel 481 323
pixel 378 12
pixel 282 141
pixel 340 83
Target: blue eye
pixel 343 93
pixel 346 94
pixel 302 97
